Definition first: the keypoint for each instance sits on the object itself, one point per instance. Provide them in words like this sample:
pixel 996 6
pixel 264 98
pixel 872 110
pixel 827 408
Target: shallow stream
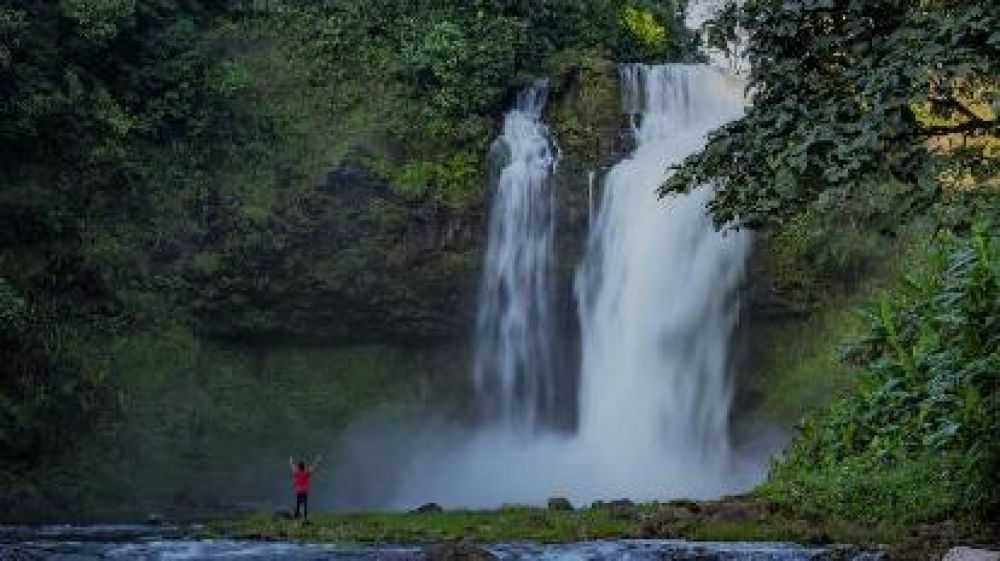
pixel 164 542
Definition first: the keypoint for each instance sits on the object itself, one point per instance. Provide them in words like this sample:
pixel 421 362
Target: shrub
pixel 918 440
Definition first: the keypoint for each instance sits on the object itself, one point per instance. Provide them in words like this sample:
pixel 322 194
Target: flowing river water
pixel 156 543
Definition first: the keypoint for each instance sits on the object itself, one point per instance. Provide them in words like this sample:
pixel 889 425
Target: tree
pixel 849 93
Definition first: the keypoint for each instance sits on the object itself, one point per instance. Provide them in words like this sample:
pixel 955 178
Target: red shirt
pixel 300 480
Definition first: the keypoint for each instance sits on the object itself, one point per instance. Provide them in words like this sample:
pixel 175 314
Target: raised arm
pixel 315 463
pixel 291 463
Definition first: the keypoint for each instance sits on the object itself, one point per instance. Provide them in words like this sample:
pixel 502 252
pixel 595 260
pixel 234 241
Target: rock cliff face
pixel 354 260
pixel 349 261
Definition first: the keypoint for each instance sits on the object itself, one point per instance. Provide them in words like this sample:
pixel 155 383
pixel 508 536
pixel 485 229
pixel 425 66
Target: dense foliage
pixel 86 88
pixel 454 65
pixel 298 170
pixel 848 94
pixel 917 441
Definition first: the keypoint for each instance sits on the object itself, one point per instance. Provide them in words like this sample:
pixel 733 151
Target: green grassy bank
pixel 731 519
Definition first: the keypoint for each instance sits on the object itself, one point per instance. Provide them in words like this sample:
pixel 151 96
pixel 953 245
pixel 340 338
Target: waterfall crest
pixel 513 363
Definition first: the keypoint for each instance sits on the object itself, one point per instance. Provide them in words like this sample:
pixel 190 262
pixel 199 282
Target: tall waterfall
pixel 657 291
pixel 514 365
pixel 657 307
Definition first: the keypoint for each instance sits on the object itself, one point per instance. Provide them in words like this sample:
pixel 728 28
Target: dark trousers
pixel 302 500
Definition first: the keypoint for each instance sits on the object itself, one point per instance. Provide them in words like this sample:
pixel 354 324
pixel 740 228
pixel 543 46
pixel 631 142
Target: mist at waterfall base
pixel 657 294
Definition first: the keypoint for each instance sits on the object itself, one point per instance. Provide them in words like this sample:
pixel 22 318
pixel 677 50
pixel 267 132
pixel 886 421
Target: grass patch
pixel 731 519
pixel 506 524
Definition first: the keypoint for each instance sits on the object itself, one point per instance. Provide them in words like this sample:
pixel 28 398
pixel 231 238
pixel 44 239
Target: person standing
pixel 301 473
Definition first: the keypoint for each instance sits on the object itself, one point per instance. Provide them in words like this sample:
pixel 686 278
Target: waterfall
pixel 656 291
pixel 657 305
pixel 513 363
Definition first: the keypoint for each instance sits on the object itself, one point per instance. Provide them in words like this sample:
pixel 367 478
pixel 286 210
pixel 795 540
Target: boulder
pixel 622 509
pixel 692 506
pixel 971 554
pixel 458 551
pixel 428 508
pixel 560 503
pixel 666 522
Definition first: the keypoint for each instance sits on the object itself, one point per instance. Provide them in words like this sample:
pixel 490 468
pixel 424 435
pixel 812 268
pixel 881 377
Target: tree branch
pixel 958 106
pixel 962 128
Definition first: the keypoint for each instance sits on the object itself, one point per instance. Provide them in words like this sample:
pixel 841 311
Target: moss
pixel 585 114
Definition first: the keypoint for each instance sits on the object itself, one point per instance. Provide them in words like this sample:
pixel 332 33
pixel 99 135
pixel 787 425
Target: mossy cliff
pixel 355 257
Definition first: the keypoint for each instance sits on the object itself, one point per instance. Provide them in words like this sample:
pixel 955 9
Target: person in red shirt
pixel 300 482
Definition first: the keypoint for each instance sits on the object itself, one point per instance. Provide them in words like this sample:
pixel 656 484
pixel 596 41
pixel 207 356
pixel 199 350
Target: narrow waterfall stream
pixel 514 366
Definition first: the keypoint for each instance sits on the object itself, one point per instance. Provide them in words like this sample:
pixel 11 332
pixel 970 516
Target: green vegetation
pixel 917 442
pixel 87 90
pixel 191 192
pixel 849 94
pixel 815 272
pixel 732 519
pixel 510 523
pixel 203 427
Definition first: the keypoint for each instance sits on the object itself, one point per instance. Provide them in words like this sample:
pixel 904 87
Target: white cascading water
pixel 658 307
pixel 657 295
pixel 513 364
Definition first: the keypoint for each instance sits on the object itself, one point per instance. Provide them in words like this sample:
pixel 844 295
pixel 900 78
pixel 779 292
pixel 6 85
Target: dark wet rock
pixel 736 509
pixel 622 509
pixel 458 551
pixel 667 522
pixel 694 507
pixel 735 512
pixel 429 508
pixel 352 260
pixel 560 504
pixel 671 514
